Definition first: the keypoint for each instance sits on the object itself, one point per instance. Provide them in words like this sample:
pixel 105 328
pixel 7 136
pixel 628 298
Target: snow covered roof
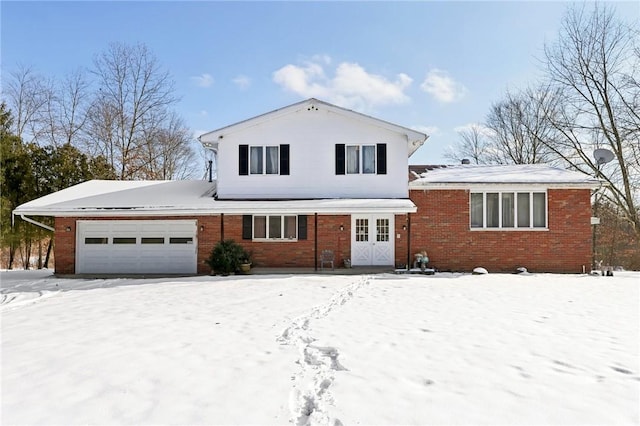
pixel 182 198
pixel 415 139
pixel 465 176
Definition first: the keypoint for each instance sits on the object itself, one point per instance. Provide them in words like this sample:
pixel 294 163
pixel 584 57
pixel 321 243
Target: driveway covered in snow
pixel 313 349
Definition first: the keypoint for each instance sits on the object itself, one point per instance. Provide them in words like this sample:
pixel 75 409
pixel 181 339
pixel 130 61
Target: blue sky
pixel 432 66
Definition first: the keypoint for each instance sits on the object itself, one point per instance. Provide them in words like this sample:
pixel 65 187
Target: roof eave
pixel 415 139
pixel 222 207
pixel 416 185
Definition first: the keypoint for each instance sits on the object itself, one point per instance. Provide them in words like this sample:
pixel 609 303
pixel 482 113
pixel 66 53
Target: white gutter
pixel 35 222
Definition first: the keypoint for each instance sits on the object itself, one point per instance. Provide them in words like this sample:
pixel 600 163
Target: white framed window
pixel 360 159
pixel 275 227
pixel 264 160
pixel 508 210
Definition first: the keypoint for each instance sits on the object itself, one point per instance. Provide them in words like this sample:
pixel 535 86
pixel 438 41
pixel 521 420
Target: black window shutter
pixel 381 153
pixel 247 225
pixel 284 159
pixel 302 227
pixel 243 165
pixel 340 158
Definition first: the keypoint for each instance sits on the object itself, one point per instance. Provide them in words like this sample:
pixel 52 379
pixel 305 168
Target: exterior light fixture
pixel 342 227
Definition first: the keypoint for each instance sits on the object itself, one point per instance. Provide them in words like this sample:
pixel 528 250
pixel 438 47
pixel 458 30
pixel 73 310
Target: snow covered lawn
pixel 314 349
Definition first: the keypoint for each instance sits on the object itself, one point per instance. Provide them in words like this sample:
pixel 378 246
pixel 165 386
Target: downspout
pixel 315 241
pixel 26 219
pixel 409 266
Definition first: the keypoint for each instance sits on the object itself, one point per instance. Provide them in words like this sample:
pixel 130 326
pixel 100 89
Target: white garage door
pixel 136 247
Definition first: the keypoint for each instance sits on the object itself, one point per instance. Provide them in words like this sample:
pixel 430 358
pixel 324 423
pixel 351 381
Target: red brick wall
pixel 401 249
pixel 264 253
pixel 441 226
pixel 65 245
pixel 296 253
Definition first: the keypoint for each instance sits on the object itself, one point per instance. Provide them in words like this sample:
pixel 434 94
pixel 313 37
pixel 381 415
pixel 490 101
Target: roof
pixel 103 198
pixel 465 176
pixel 415 139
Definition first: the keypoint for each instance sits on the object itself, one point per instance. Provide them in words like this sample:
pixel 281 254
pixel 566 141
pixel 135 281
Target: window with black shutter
pixel 284 159
pixel 340 158
pixel 381 154
pixel 261 160
pixel 361 159
pixel 302 227
pixel 247 230
pixel 243 160
pixel 274 227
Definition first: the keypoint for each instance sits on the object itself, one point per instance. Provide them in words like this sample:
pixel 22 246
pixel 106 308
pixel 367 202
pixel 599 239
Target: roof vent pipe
pixel 466 161
pixel 210 171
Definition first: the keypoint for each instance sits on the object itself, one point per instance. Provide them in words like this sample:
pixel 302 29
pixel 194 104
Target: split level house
pixel 313 176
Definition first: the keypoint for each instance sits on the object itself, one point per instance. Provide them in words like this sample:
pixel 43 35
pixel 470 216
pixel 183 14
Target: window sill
pixel 275 240
pixel 509 229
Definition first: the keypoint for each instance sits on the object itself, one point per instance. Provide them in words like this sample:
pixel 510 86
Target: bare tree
pixel 167 152
pixel 520 128
pixel 593 67
pixel 26 94
pixel 134 95
pixel 474 144
pixel 64 114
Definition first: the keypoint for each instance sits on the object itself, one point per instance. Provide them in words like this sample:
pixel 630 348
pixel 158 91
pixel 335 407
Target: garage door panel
pixel 144 247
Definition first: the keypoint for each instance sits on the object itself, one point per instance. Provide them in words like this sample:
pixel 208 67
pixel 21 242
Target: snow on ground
pixel 321 349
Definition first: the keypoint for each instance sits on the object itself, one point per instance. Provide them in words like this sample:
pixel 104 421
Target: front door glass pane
pixel 362 230
pixel 382 229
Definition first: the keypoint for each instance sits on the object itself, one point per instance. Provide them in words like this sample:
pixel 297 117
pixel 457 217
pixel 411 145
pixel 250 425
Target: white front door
pixel 372 240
